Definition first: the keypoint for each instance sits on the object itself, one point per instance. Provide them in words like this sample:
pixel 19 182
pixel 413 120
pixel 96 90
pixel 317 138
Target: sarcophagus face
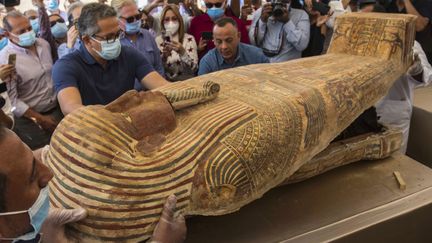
pixel 122 161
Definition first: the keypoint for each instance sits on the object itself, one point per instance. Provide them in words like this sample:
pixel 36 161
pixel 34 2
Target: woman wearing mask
pixel 179 49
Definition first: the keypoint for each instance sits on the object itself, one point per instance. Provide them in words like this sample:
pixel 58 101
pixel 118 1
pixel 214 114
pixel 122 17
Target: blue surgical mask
pixel 38 212
pixel 215 13
pixel 133 28
pixel 59 30
pixel 109 51
pixel 35 25
pixel 27 39
pixel 3 43
pixel 52 5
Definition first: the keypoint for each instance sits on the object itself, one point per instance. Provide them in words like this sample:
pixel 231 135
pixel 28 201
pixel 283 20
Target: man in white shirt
pixel 395 108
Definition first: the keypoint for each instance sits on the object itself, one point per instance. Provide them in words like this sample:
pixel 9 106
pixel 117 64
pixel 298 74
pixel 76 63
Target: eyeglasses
pixel 110 38
pixel 210 5
pixel 52 23
pixel 132 19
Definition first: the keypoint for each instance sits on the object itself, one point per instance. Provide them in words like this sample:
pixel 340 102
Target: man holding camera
pixel 281 31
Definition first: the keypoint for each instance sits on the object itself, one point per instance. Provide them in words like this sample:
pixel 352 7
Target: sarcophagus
pixel 121 161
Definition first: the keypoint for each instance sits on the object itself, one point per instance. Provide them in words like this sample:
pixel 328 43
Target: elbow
pixel 421 24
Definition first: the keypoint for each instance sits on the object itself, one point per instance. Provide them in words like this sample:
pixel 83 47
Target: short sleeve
pixel 138 60
pixel 64 74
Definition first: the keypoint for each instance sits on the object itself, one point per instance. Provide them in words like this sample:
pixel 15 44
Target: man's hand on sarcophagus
pixel 53 227
pixel 171 228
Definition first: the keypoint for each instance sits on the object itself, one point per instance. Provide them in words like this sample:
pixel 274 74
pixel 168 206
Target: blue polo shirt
pixel 96 84
pixel 246 54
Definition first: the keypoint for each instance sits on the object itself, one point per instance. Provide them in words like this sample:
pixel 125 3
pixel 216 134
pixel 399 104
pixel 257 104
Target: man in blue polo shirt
pixel 102 69
pixel 229 52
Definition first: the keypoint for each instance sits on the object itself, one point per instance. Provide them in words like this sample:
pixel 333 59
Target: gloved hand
pixel 170 229
pixel 416 68
pixel 53 227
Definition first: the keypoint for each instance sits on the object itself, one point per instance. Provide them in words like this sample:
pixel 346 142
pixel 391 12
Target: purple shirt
pixel 32 87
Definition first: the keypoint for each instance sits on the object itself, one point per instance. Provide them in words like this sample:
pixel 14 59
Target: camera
pixel 10 3
pixel 278 6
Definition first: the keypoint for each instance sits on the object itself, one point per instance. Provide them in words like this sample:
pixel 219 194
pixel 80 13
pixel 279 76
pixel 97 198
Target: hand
pixel 170 229
pixel 284 17
pixel 245 11
pixel 53 227
pixel 416 68
pixel 166 52
pixel 38 3
pixel 322 19
pixel 176 46
pixel 6 71
pixel 266 12
pixel 308 3
pixel 47 123
pixel 202 45
pixel 72 36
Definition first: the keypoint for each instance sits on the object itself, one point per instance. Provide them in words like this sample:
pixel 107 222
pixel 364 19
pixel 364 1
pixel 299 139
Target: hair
pixel 11 14
pixel 176 12
pixel 119 4
pixel 3 178
pixel 30 11
pixel 72 7
pixel 58 15
pixel 378 8
pixel 90 15
pixel 224 21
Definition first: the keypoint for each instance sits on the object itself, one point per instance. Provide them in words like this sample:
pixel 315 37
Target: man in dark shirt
pixel 101 70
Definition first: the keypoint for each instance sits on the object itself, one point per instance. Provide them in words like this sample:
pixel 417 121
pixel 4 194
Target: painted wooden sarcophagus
pixel 250 133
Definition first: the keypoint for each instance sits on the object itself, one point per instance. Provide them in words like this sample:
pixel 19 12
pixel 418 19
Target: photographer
pixel 281 31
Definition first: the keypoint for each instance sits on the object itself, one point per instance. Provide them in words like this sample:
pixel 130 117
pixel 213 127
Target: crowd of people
pixel 53 62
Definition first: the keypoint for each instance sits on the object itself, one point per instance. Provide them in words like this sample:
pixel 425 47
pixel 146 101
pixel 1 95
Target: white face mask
pixel 172 27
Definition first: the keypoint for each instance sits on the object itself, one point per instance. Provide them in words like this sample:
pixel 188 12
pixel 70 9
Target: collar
pixel 124 36
pixel 20 49
pixel 221 60
pixel 85 55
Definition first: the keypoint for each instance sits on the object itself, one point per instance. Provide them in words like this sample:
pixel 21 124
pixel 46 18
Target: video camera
pixel 277 6
pixel 10 3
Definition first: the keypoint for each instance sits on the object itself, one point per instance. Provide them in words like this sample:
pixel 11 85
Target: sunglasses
pixel 52 23
pixel 210 5
pixel 132 19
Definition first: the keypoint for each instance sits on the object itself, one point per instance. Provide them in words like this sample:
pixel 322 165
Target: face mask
pixel 109 50
pixel 35 25
pixel 215 13
pixel 172 27
pixel 37 213
pixel 133 28
pixel 3 43
pixel 27 39
pixel 52 5
pixel 59 30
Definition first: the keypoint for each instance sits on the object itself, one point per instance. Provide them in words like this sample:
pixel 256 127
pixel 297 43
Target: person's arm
pixel 421 69
pixel 298 34
pixel 156 55
pixel 190 57
pixel 204 65
pixel 421 22
pixel 69 99
pixel 153 80
pixel 257 29
pixel 45 28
